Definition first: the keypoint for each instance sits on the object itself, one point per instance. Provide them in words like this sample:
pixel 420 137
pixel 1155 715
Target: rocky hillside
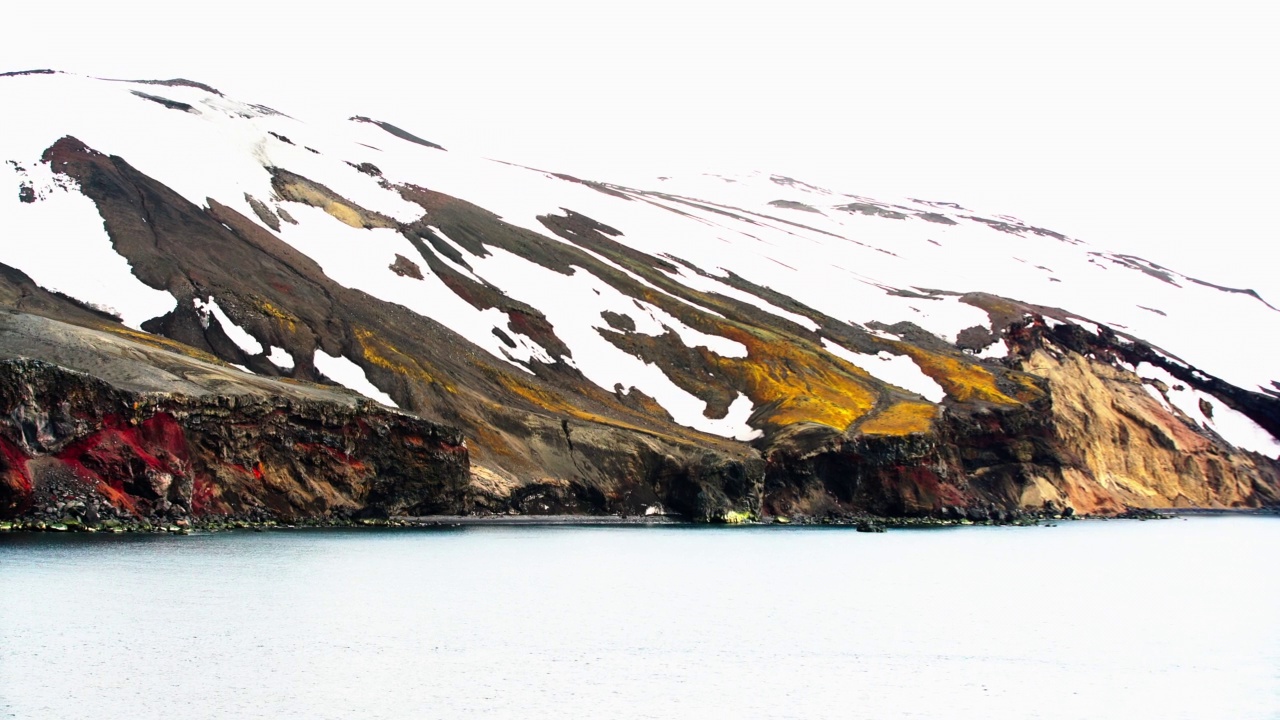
pixel 714 347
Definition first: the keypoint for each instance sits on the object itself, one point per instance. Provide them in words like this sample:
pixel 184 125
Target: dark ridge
pixel 179 82
pixel 939 203
pixel 171 104
pixel 269 111
pixel 793 205
pixel 599 187
pixel 975 339
pixel 404 267
pixel 1136 263
pixel 871 209
pixel 16 73
pixel 792 182
pixel 937 218
pixel 899 292
pixel 402 134
pixel 505 338
pixel 1242 291
pixel 1162 273
pixel 1013 226
pixel 724 210
pixel 618 321
pixel 280 137
pixel 88 307
pixel 1003 227
pixel 367 168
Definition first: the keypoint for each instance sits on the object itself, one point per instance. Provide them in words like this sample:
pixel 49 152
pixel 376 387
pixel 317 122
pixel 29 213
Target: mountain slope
pixel 713 346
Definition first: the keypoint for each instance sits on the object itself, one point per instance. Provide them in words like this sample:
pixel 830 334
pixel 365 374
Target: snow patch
pixel 897 370
pixel 281 358
pixel 574 309
pixel 61 243
pixel 1235 427
pixel 995 351
pixel 351 376
pixel 700 283
pixel 241 337
pixel 360 259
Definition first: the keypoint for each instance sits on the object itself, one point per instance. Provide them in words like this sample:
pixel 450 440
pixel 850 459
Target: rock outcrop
pixel 1097 442
pixel 177 438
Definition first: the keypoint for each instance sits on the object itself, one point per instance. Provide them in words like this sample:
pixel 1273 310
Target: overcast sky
pixel 1137 126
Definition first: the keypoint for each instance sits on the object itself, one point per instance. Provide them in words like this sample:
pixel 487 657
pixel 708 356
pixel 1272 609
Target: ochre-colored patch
pixel 347 214
pixel 962 381
pixel 272 311
pixel 798 382
pixel 384 355
pixel 485 442
pixel 299 192
pixel 789 379
pixel 554 402
pixel 542 398
pixel 162 343
pixel 902 418
pixel 1028 390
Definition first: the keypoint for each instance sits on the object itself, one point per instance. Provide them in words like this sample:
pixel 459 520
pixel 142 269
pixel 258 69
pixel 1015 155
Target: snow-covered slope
pixel 731 306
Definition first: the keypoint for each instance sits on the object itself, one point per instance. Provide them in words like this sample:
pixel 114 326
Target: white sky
pixel 1138 126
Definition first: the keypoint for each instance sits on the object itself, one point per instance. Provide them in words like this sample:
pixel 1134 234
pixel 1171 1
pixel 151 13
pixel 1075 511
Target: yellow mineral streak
pixel 962 381
pixel 349 214
pixel 162 343
pixel 902 418
pixel 266 308
pixel 792 381
pixel 387 357
pixel 556 403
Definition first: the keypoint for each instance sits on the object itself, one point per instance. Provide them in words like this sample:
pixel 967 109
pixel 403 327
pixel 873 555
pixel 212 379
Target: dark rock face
pixel 985 459
pixel 171 104
pixel 66 437
pixel 397 132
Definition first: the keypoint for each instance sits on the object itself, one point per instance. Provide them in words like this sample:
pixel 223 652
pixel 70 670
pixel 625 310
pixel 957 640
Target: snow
pixel 1235 427
pixel 351 376
pixel 241 337
pixel 704 284
pixel 1086 325
pixel 361 259
pixel 995 351
pixel 281 358
pixel 445 258
pixel 574 310
pixel 898 370
pixel 222 151
pixel 60 241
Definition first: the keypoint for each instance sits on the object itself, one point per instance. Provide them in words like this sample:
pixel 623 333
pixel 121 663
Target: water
pixel 1169 619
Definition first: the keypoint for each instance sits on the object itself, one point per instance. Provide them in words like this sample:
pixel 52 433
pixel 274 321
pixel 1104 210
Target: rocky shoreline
pixel 860 524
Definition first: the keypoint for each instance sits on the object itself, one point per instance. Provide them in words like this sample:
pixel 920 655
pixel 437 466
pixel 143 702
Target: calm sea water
pixel 1169 619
